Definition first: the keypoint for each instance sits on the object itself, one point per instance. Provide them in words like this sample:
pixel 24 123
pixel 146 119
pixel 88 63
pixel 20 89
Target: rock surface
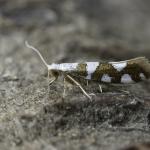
pixel 71 31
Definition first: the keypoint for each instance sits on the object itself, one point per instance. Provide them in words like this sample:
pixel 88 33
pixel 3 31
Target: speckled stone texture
pixel 31 116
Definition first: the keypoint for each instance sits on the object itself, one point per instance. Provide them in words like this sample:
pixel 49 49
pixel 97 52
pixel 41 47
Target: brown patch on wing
pixel 105 68
pixel 142 62
pixel 134 71
pixel 81 70
pixel 135 67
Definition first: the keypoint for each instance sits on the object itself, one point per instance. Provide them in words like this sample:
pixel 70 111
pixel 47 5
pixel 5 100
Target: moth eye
pixel 55 73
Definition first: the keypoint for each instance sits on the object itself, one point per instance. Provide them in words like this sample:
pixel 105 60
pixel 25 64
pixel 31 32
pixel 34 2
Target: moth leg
pixel 51 81
pixel 100 88
pixel 79 85
pixel 64 92
pixel 67 84
pixel 87 83
pixel 54 77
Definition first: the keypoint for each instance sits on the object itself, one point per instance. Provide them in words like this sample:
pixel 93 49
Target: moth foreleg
pixel 51 81
pixel 53 77
pixel 79 85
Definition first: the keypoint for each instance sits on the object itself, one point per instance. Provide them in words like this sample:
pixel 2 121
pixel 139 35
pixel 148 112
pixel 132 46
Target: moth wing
pixel 142 62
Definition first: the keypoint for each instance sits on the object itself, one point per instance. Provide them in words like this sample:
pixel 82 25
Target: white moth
pixel 123 72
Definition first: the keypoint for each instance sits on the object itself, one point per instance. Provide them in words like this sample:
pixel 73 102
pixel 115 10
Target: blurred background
pixel 70 31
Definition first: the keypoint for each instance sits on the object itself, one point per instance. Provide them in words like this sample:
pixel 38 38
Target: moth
pixel 121 72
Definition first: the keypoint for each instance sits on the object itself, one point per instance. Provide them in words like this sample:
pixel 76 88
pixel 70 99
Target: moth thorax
pixel 54 67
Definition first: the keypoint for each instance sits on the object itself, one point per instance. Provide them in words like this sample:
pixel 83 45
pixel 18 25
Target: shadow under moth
pixel 121 72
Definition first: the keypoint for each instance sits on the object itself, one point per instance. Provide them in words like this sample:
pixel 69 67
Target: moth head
pixel 54 70
pixel 53 73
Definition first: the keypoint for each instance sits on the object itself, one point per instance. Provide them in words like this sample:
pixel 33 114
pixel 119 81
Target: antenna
pixel 37 51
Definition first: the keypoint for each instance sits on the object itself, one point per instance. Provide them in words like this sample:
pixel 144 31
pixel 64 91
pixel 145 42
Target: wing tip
pixel 144 63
